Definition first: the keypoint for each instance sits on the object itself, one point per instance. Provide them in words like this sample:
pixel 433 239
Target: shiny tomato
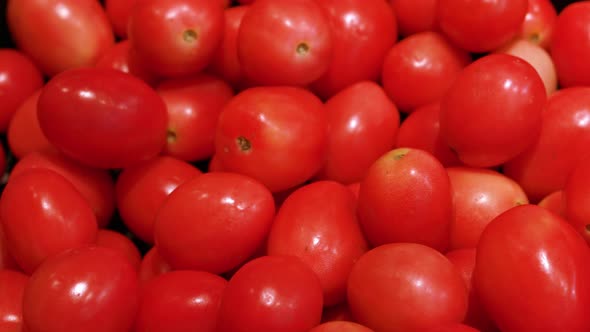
pixel 122 57
pixel 96 185
pixel 180 301
pixel 60 34
pixel 576 198
pixel 88 289
pixel 297 52
pixel 152 265
pixel 12 289
pixel 565 135
pixel 494 82
pixel 539 23
pixel 318 224
pixel 103 117
pixel 363 124
pixel 340 326
pixel 42 214
pixel 530 272
pixel 193 105
pixel 406 197
pixel 141 190
pixel 554 202
pixel 362 33
pixel 271 294
pixel 480 25
pixel 20 79
pixel 118 12
pixel 277 135
pixel 406 287
pixel 214 222
pixel 114 240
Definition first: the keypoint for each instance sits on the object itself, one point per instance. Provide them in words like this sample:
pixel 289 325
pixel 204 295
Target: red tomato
pixel 214 222
pixel 406 197
pixel 176 37
pixel 571 45
pixel 20 79
pixel 60 34
pixel 565 136
pixel 297 52
pixel 6 260
pixel 414 16
pixel 42 214
pixel 480 25
pixel 420 69
pixel 355 188
pixel 530 272
pixel 118 12
pixel 539 23
pixel 194 105
pixel 554 202
pixel 141 190
pixel 421 130
pixel 214 164
pixel 12 289
pixel 96 185
pixel 271 294
pixel 103 117
pixel 318 224
pixel 119 242
pixel 152 265
pixel 494 82
pixel 479 195
pixel 576 198
pixel 406 287
pixel 340 327
pixel 122 57
pixel 24 132
pixel 180 301
pixel 277 135
pixel 88 289
pixel 363 126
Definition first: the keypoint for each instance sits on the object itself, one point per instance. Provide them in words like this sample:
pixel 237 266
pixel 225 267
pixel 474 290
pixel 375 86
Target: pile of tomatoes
pixel 295 166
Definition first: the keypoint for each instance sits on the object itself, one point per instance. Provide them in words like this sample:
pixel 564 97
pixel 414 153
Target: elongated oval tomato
pixel 103 117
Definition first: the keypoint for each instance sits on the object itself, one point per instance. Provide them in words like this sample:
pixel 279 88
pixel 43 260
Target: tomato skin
pixel 118 12
pixel 496 81
pixel 180 301
pixel 534 253
pixel 420 69
pixel 122 57
pixel 414 16
pixel 102 117
pixel 406 197
pixel 277 135
pixel 575 198
pixel 117 241
pixel 141 190
pixel 272 294
pixel 77 39
pixel 363 125
pixel 318 224
pixel 362 33
pixel 539 23
pixel 340 326
pixel 152 265
pixel 400 277
pixel 6 260
pixel 12 289
pixel 297 52
pixel 480 26
pixel 62 293
pixel 554 202
pixel 42 214
pixel 188 34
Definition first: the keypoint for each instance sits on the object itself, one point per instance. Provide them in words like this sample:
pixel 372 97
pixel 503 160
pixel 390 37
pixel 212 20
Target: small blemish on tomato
pixel 243 144
pixel 190 35
pixel 302 48
pixel 171 136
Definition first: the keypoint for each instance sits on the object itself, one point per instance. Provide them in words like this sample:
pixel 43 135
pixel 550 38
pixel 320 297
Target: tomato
pixel 571 45
pixel 421 130
pixel 362 33
pixel 96 185
pixel 414 16
pixel 89 289
pixel 494 82
pixel 60 34
pixel 141 190
pixel 532 252
pixel 42 214
pixel 405 287
pixel 180 301
pixel 24 132
pixel 187 34
pixel 20 79
pixel 565 135
pixel 214 222
pixel 340 327
pixel 554 202
pixel 479 195
pixel 193 107
pixel 152 265
pixel 12 289
pixel 318 224
pixel 576 195
pixel 117 241
pixel 6 260
pixel 277 135
pixel 118 12
pixel 297 52
pixel 406 197
pixel 103 117
pixel 480 25
pixel 452 328
pixel 539 23
pixel 122 57
pixel 271 294
pixel 363 125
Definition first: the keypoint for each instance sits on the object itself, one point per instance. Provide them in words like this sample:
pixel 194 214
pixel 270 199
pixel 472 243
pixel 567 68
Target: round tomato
pixel 12 289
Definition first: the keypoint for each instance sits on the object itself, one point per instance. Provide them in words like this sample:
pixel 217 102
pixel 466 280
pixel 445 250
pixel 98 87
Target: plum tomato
pixel 12 289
